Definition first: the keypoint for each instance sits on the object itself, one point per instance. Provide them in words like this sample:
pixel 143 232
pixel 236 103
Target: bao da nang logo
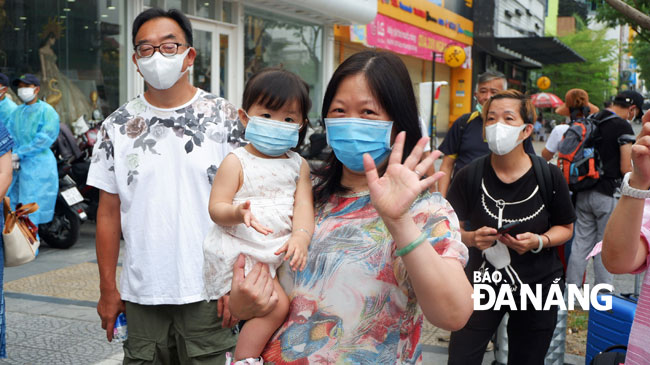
pixel 492 292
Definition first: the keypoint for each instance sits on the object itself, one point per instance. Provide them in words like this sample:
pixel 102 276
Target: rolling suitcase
pixel 611 327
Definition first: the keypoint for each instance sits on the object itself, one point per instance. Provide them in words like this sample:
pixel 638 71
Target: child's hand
pixel 249 219
pixel 296 249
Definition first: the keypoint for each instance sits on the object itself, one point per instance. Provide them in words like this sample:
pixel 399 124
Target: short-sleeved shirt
pixel 464 141
pixel 609 150
pixel 521 205
pixel 354 302
pixel 161 163
pixel 553 141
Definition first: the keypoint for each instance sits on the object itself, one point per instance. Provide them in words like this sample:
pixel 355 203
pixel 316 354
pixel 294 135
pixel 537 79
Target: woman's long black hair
pixel 390 83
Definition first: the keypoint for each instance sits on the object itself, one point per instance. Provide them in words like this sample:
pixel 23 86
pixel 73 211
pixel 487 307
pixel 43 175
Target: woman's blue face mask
pixel 272 137
pixel 350 138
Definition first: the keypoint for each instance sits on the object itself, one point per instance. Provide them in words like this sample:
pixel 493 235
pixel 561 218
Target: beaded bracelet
pixel 408 248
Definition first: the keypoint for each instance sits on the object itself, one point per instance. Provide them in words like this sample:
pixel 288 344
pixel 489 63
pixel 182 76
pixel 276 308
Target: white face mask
pixel 497 255
pixel 162 72
pixel 3 92
pixel 503 138
pixel 26 94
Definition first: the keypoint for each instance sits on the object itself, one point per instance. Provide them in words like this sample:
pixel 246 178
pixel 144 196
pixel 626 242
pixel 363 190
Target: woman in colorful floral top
pixel 368 281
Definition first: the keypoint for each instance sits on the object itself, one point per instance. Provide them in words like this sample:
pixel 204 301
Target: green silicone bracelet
pixel 406 249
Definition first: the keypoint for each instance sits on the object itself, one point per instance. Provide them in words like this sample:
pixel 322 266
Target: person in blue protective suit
pixel 34 126
pixel 7 106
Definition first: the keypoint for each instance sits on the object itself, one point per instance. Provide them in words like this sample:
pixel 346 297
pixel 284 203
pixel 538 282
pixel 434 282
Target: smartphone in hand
pixel 507 227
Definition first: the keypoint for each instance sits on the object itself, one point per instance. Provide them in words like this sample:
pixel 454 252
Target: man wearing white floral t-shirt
pixel 154 166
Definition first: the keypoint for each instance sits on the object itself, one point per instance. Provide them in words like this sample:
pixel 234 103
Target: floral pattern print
pixel 161 163
pixel 192 123
pixel 354 302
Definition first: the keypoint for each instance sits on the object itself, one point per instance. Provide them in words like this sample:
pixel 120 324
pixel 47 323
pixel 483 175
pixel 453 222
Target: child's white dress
pixel 270 186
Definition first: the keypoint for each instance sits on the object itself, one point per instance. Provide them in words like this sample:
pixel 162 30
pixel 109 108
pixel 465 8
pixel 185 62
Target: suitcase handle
pixel 629 297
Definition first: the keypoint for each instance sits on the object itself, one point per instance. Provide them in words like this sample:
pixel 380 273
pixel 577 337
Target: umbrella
pixel 546 100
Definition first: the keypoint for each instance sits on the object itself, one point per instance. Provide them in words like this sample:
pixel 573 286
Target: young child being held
pixel 261 199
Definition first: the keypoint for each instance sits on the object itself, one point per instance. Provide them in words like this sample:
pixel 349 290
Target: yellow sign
pixel 543 83
pixel 454 56
pixel 433 18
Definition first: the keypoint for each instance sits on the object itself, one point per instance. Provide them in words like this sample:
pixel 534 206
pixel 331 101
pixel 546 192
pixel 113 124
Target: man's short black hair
pixel 174 14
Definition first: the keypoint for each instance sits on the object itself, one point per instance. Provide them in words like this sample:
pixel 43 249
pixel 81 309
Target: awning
pixel 545 50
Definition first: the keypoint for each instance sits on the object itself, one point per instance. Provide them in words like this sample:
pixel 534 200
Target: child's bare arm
pixel 227 183
pixel 303 221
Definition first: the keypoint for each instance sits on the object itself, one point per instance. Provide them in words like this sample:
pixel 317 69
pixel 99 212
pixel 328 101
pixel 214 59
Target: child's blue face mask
pixel 350 138
pixel 272 137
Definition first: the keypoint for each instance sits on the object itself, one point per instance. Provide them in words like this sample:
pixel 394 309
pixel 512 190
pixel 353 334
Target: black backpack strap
pixel 475 176
pixel 544 179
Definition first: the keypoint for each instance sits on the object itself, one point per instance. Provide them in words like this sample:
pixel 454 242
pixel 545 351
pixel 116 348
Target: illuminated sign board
pixel 427 15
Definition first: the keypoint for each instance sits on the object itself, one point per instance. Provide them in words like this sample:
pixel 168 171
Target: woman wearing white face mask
pixel 508 191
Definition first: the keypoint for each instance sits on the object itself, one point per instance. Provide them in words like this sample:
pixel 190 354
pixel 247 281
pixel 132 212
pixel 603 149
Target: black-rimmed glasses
pixel 167 49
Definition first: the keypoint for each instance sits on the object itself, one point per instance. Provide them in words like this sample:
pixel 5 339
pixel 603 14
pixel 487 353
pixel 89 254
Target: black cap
pixel 29 79
pixel 629 98
pixel 4 80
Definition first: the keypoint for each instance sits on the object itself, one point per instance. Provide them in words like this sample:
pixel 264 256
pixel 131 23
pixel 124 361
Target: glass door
pixel 214 58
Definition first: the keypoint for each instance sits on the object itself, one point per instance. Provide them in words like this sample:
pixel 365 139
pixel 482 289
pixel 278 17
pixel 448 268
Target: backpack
pixel 578 158
pixel 540 168
pixel 475 114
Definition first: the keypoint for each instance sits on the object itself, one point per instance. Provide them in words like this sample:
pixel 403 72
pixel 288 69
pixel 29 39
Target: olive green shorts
pixel 176 334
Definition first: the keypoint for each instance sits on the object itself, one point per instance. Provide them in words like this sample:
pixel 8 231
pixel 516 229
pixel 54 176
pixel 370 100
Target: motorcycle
pixel 87 132
pixel 69 211
pixel 315 148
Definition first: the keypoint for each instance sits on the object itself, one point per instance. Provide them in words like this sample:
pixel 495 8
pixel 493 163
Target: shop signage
pixel 388 33
pixel 427 15
pixel 454 56
pixel 543 83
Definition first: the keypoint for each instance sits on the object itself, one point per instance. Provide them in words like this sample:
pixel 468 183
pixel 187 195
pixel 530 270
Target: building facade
pixel 510 38
pixel 415 30
pixel 81 47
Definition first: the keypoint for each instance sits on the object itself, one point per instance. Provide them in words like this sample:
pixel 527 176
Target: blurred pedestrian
pixel 34 126
pixel 6 144
pixel 595 205
pixel 576 105
pixel 7 106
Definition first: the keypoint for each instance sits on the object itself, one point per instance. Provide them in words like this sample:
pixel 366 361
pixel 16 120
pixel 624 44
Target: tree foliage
pixel 612 17
pixel 640 48
pixel 593 75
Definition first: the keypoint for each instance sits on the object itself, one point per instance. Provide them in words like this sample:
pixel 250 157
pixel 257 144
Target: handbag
pixel 19 234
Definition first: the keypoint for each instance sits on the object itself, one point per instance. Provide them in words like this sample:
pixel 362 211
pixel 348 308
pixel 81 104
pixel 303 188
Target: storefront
pixel 83 47
pixel 415 29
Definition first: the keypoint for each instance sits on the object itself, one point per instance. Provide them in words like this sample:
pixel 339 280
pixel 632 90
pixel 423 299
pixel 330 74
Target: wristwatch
pixel 627 190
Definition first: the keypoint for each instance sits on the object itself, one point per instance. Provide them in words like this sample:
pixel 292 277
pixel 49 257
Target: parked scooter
pixel 87 132
pixel 69 211
pixel 315 147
